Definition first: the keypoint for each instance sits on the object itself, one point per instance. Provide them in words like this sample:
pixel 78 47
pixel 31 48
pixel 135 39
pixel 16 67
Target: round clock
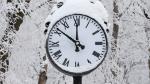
pixel 77 44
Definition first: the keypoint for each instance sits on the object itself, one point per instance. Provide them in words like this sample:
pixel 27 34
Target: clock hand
pixel 77 39
pixel 77 23
pixel 67 36
pixel 77 43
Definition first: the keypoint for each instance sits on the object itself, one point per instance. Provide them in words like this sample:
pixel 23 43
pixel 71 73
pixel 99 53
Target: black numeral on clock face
pixel 57 54
pixel 65 62
pixel 77 21
pixel 98 43
pixel 88 23
pixel 54 44
pixel 77 64
pixel 96 54
pixel 95 32
pixel 89 61
pixel 65 24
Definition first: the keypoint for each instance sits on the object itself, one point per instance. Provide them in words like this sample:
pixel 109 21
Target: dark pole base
pixel 77 79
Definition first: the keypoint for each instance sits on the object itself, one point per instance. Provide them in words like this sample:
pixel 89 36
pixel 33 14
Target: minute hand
pixel 67 36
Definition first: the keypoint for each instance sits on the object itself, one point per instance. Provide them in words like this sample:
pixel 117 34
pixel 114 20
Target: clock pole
pixel 77 79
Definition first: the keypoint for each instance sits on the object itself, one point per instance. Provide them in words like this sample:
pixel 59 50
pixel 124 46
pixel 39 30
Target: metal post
pixel 77 79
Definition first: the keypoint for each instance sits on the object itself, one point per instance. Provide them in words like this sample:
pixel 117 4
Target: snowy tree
pixel 23 58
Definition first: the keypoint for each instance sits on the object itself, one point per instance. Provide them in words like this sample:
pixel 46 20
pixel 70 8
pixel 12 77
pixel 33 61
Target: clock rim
pixel 69 72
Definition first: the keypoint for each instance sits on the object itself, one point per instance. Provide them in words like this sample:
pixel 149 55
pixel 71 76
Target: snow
pixel 129 65
pixel 71 8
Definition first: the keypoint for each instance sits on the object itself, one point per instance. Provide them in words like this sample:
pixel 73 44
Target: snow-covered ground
pixel 23 43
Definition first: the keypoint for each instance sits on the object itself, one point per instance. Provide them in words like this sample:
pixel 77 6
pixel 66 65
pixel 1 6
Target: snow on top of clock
pixel 93 8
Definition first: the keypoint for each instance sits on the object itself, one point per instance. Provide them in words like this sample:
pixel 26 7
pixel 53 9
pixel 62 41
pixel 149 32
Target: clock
pixel 76 44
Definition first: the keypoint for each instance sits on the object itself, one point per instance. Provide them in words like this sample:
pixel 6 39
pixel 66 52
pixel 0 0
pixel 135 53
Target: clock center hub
pixel 78 45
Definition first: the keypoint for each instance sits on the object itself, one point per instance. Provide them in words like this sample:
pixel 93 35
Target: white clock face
pixel 77 44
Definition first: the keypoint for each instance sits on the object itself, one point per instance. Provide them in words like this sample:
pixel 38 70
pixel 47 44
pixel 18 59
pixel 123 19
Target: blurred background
pixel 22 38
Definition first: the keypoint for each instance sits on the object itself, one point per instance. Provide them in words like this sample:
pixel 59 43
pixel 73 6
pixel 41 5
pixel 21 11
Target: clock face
pixel 77 44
